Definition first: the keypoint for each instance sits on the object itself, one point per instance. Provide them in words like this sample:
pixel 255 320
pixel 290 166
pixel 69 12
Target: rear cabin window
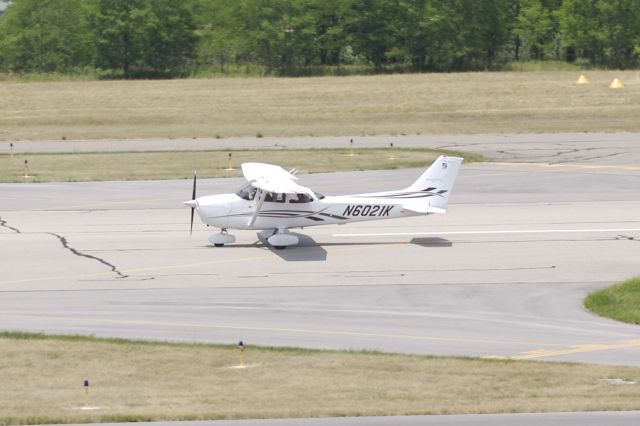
pixel 300 198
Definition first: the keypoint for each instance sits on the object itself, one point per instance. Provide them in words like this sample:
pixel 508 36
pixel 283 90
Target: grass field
pixel 209 164
pixel 42 383
pixel 544 101
pixel 620 301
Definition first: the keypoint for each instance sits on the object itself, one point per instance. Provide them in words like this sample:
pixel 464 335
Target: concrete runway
pixel 502 274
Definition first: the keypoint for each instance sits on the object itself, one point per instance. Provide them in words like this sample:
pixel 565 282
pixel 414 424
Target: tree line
pixel 168 38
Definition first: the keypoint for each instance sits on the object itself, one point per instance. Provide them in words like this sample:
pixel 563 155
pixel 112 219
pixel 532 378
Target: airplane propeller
pixel 193 198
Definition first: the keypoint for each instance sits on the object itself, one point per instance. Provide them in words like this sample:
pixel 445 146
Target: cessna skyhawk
pixel 271 201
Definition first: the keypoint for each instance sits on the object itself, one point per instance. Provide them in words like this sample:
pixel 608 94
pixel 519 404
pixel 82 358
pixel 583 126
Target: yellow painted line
pixel 575 349
pixel 166 324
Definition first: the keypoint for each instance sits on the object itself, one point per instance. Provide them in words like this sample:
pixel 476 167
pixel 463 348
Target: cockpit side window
pixel 300 198
pixel 249 193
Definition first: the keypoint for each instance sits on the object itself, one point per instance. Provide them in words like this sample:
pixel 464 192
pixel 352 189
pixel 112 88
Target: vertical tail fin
pixel 438 179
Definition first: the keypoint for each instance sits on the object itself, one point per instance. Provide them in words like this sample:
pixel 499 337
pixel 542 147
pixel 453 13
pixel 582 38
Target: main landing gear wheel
pixel 222 238
pixel 282 239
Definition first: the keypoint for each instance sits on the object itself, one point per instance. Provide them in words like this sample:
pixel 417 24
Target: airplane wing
pixel 270 178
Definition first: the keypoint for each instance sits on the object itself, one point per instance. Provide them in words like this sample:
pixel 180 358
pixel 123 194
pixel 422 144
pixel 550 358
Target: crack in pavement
pixel 585 158
pixel 3 223
pixel 65 244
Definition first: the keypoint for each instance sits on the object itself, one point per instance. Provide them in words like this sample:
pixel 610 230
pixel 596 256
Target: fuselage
pixel 294 211
pixel 272 201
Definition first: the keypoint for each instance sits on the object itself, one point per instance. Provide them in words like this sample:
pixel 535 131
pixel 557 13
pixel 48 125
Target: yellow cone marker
pixel 616 84
pixel 582 79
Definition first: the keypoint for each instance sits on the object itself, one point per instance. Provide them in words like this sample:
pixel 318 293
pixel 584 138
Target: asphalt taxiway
pixel 502 274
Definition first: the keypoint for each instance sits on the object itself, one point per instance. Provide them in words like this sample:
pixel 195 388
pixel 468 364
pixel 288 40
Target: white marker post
pixel 241 347
pixel 351 148
pixel 86 393
pixel 11 149
pixel 229 163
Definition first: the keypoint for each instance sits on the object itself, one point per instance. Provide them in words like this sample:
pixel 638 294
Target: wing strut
pixel 260 195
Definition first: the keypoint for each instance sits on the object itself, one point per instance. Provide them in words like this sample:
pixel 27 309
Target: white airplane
pixel 272 202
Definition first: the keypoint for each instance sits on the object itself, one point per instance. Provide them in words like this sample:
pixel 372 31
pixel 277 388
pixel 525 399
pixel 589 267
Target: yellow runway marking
pixel 576 349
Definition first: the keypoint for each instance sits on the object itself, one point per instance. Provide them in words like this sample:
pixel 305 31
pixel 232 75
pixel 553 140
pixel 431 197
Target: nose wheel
pixel 221 238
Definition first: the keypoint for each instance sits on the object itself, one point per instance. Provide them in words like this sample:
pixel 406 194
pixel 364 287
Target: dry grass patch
pixel 209 164
pixel 42 382
pixel 510 102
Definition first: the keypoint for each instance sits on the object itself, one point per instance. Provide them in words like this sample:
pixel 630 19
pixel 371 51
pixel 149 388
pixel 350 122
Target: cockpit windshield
pixel 246 192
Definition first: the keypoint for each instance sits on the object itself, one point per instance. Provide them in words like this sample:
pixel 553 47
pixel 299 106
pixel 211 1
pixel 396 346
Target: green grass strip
pixel 620 301
pixel 117 166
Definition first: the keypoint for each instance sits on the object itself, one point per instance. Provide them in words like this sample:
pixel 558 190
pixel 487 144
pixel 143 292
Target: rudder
pixel 439 179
